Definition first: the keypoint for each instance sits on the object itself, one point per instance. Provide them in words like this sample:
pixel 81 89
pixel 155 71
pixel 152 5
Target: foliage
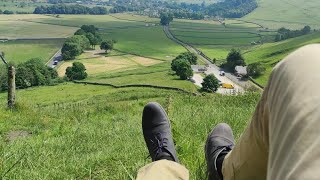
pixel 234 59
pixel 166 18
pixel 107 45
pixel 69 9
pixel 210 83
pixel 91 32
pixel 8 12
pixel 182 68
pixel 74 46
pixel 232 8
pixel 256 69
pixel 76 72
pixel 284 33
pixel 189 56
pixel 30 73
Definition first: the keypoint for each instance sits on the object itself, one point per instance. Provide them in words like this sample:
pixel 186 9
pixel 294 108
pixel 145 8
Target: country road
pixel 212 69
pixel 55 57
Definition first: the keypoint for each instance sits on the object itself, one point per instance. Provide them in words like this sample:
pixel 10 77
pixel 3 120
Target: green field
pixel 27 6
pixel 271 53
pixel 94 132
pixel 215 39
pixel 294 14
pixel 22 50
pixel 141 37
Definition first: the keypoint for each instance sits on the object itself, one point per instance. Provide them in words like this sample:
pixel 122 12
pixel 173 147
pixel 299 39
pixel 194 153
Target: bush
pixel 76 72
pixel 210 83
pixel 256 69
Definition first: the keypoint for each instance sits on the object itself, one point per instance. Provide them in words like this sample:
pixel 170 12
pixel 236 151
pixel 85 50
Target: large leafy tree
pixel 183 69
pixel 256 69
pixel 234 59
pixel 210 83
pixel 191 57
pixel 166 18
pixel 76 72
pixel 107 45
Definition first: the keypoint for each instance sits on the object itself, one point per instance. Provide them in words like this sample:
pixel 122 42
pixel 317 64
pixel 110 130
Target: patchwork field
pixel 142 37
pixel 96 62
pixel 22 50
pixel 84 131
pixel 215 39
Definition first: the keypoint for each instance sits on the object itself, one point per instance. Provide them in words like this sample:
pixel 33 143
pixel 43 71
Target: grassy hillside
pixel 286 13
pixel 271 53
pixel 21 51
pixel 86 132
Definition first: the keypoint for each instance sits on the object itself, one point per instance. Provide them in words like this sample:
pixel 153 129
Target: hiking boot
pixel 157 133
pixel 219 143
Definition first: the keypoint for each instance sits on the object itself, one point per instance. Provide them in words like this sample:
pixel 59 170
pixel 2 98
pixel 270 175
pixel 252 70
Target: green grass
pixel 214 39
pixel 159 75
pixel 15 6
pixel 86 132
pixel 21 29
pixel 283 13
pixel 271 53
pixel 132 34
pixel 21 51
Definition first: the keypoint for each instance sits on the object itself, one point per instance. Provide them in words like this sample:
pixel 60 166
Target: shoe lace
pixel 159 144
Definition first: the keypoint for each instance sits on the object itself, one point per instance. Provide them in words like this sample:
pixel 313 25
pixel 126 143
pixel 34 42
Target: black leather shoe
pixel 219 143
pixel 157 133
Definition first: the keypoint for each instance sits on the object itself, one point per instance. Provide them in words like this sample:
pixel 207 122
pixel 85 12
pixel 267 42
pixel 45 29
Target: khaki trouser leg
pixel 163 170
pixel 283 139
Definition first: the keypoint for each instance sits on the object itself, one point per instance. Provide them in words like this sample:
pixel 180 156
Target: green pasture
pixel 293 14
pixel 94 132
pixel 159 74
pixel 22 50
pixel 132 36
pixel 20 6
pixel 23 29
pixel 271 53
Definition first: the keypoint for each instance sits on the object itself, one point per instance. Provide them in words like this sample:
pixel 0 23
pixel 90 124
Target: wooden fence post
pixel 11 86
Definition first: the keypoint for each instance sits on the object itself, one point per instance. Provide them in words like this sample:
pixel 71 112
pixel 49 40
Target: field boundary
pixel 138 85
pixel 135 54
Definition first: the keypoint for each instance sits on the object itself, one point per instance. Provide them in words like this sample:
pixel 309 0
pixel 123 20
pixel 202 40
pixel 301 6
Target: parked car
pixel 55 62
pixel 227 86
pixel 222 73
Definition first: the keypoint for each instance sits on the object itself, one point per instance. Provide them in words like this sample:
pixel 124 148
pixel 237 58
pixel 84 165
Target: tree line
pixel 70 9
pixel 284 33
pixel 30 73
pixel 232 8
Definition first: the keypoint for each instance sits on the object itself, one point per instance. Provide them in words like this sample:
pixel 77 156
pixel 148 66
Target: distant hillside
pixel 292 14
pixel 271 53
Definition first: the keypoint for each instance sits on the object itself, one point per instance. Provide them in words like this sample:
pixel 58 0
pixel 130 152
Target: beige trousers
pixel 282 141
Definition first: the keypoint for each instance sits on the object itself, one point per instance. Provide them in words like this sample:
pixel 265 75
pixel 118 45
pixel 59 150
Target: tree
pixel 107 45
pixel 191 57
pixel 166 18
pixel 80 32
pixel 256 69
pixel 306 30
pixel 76 72
pixel 183 69
pixel 70 50
pixel 210 83
pixel 235 59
